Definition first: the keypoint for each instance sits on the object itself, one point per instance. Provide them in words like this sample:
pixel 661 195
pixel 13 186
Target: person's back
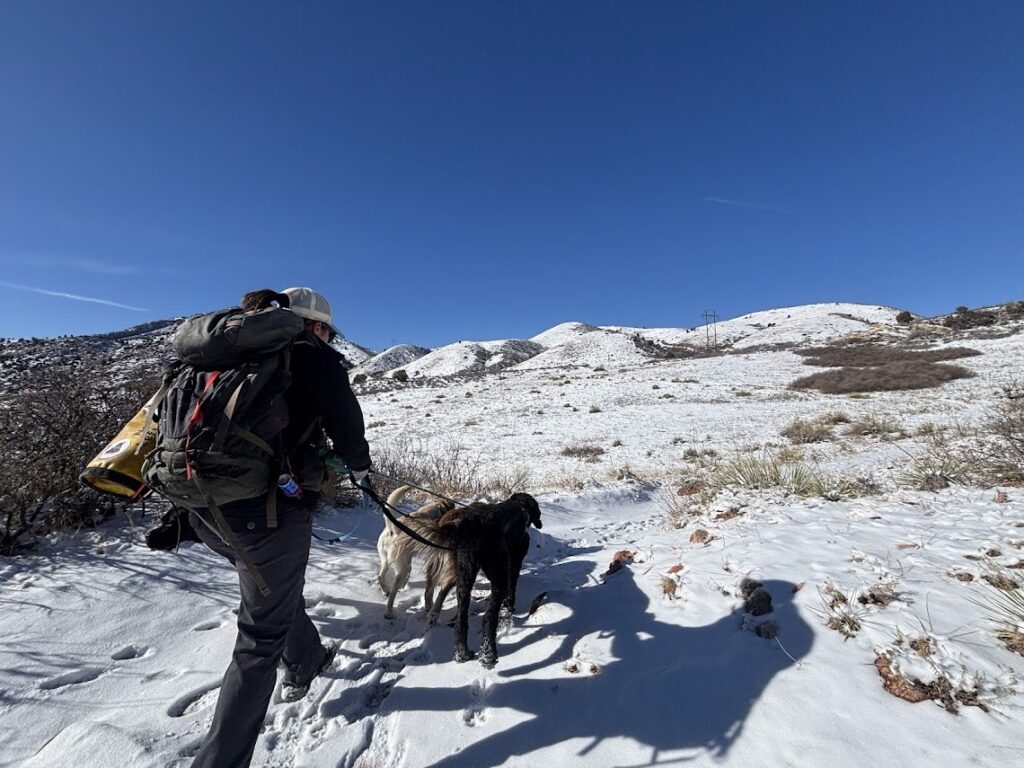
pixel 274 628
pixel 320 401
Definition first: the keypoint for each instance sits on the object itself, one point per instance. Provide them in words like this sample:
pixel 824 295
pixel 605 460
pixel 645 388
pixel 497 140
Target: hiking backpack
pixel 220 414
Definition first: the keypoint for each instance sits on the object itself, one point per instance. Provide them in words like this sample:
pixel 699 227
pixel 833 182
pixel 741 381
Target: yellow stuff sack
pixel 117 469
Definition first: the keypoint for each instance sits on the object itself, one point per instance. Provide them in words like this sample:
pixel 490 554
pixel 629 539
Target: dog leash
pixel 336 539
pixel 418 488
pixel 387 510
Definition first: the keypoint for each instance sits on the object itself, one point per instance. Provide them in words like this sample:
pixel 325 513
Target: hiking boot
pixel 293 691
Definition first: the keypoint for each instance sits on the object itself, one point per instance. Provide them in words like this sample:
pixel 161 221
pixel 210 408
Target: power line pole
pixel 710 327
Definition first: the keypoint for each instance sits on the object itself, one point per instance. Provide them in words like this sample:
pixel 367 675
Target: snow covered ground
pixel 112 654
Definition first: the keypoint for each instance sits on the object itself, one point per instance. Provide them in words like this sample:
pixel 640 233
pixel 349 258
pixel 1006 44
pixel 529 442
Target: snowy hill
pixel 469 357
pixel 353 353
pixel 562 333
pixel 599 347
pixel 391 358
pixel 113 654
pixel 806 324
pixel 572 344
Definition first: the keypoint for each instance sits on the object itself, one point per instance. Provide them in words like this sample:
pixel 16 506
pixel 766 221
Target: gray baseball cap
pixel 308 304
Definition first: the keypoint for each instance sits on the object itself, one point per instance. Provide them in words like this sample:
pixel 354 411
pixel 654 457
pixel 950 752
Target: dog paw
pixel 462 655
pixel 488 662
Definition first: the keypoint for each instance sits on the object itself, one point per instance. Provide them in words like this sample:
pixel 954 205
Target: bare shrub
pixel 448 468
pixel 800 431
pixel 870 425
pixel 963 318
pixel 789 454
pixel 834 418
pixel 1005 459
pixel 701 457
pixel 52 428
pixel 891 377
pixel 678 510
pixel 587 452
pixel 875 355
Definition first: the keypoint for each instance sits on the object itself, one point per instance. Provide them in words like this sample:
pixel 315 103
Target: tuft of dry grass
pixel 800 431
pixel 789 454
pixel 879 594
pixel 669 587
pixel 838 612
pixel 586 452
pixel 1005 609
pixel 870 425
pixel 1001 581
pixel 935 471
pixel 448 468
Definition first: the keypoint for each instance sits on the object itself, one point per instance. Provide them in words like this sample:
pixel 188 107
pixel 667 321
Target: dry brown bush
pixel 448 468
pixel 890 377
pixel 52 428
pixel 588 452
pixel 872 355
pixel 1005 459
pixel 800 431
pixel 870 425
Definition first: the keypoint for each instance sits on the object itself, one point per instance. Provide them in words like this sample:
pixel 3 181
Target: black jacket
pixel 320 393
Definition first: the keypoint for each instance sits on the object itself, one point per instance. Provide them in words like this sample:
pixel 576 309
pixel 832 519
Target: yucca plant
pixel 1005 609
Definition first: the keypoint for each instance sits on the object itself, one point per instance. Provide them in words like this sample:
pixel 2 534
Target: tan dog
pixel 396 549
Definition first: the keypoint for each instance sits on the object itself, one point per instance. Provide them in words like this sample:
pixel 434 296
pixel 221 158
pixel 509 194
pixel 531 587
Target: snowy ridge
pixel 560 334
pixel 600 347
pixel 391 358
pixel 468 357
pixel 805 324
pixel 113 654
pixel 353 353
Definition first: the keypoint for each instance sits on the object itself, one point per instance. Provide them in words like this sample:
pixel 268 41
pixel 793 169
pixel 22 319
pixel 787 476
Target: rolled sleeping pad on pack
pixel 117 469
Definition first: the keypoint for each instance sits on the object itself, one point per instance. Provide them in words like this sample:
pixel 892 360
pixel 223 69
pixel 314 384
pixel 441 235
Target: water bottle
pixel 287 485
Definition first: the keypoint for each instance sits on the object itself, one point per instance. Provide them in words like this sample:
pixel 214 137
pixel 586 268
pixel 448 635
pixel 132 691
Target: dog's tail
pixel 394 499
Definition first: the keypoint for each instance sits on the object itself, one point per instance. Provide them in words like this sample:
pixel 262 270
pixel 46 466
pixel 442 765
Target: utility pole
pixel 710 328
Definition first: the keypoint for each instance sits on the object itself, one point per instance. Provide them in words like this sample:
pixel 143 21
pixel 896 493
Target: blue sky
pixel 472 170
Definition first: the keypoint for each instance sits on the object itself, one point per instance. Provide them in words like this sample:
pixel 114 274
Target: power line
pixel 710 328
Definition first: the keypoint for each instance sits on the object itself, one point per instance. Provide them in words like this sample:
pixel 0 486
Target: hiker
pixel 272 623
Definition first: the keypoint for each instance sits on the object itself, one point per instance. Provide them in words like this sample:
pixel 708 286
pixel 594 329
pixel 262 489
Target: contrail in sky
pixel 63 295
pixel 742 204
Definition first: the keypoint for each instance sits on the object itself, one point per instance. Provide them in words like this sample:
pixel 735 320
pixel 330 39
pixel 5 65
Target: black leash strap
pixel 372 493
pixel 335 540
pixel 418 488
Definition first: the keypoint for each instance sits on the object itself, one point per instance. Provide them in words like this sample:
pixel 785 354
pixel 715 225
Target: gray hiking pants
pixel 271 629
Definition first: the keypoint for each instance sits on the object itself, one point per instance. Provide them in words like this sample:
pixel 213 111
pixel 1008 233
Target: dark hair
pixel 254 301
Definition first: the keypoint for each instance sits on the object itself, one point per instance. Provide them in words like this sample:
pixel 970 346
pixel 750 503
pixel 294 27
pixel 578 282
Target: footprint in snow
pixel 75 677
pixel 476 713
pixel 196 699
pixel 206 626
pixel 129 652
pixel 377 692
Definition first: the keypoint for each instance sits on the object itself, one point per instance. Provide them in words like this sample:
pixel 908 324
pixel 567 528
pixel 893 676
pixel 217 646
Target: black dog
pixel 493 538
